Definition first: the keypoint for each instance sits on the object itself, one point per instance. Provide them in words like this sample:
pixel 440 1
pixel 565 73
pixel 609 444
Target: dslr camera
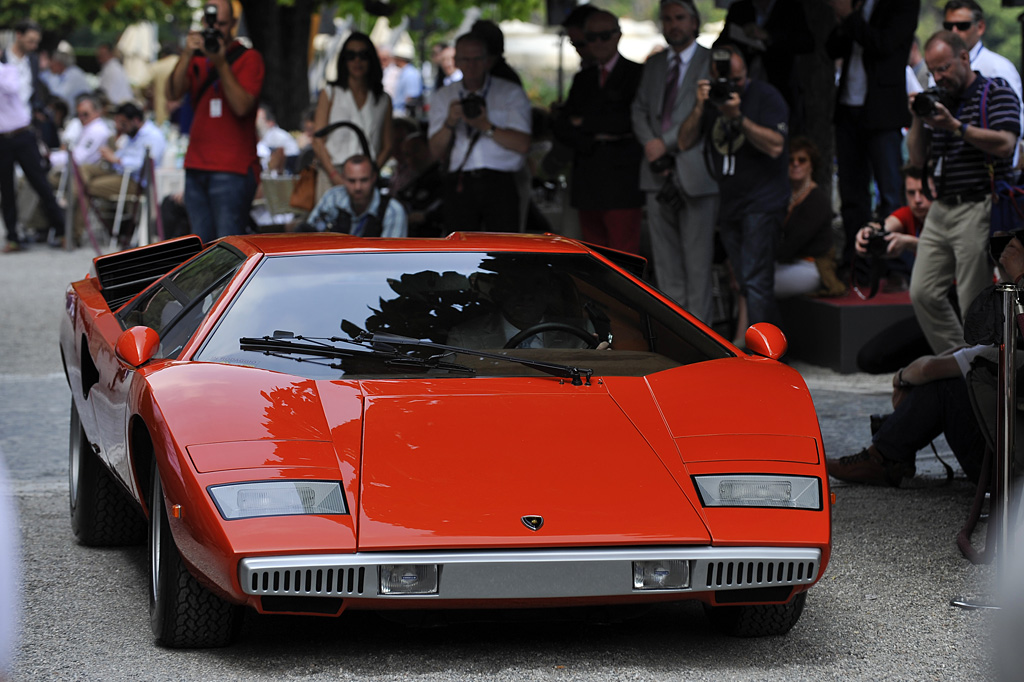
pixel 877 245
pixel 723 86
pixel 211 36
pixel 924 103
pixel 472 105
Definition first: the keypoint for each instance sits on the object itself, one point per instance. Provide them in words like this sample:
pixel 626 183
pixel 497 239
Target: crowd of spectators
pixel 695 157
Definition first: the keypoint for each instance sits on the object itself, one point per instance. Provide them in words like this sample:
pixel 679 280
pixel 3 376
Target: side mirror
pixel 766 339
pixel 136 346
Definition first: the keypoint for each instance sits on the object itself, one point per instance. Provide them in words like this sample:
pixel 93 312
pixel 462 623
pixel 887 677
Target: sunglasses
pixel 798 160
pixel 351 55
pixel 81 114
pixel 958 25
pixel 599 36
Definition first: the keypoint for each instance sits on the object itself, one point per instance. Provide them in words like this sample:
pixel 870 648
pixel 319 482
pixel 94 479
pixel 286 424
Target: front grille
pixel 314 582
pixel 743 574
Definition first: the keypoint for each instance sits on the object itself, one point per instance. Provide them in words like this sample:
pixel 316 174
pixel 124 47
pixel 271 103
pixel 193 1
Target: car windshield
pixel 569 309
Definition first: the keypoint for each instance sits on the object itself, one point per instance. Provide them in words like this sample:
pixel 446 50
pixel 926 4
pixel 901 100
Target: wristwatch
pixel 490 131
pixel 961 131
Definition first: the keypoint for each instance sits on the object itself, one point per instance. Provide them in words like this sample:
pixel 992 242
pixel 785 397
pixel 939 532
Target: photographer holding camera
pixel 949 132
pixel 223 80
pixel 744 123
pixel 680 223
pixel 480 127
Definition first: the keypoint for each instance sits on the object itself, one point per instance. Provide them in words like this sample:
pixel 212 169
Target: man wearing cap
pixel 682 237
pixel 596 124
pixel 409 88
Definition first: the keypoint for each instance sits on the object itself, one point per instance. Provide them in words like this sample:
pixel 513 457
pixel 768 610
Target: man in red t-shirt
pixel 905 223
pixel 221 166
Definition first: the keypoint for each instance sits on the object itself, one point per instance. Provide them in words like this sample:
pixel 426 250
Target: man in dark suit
pixel 873 39
pixel 682 238
pixel 596 124
pixel 770 33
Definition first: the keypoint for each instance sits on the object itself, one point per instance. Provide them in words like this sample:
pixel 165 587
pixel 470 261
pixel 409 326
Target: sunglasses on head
pixel 356 54
pixel 598 36
pixel 958 25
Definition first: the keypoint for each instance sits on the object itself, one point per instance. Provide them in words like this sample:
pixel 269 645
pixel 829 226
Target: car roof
pixel 330 242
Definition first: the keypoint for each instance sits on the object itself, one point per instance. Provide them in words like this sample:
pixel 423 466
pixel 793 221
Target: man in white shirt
pixel 94 133
pixel 113 79
pixel 272 139
pixel 480 127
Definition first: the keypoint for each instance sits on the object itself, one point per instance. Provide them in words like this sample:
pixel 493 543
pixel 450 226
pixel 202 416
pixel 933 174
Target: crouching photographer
pixel 743 122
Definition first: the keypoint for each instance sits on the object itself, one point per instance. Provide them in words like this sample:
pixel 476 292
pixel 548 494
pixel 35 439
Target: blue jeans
pixel 862 155
pixel 749 242
pixel 218 203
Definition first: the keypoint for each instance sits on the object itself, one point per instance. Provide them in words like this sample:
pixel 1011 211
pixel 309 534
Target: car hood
pixel 460 462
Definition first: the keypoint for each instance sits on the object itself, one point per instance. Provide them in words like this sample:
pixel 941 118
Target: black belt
pixel 15 133
pixel 965 197
pixel 485 173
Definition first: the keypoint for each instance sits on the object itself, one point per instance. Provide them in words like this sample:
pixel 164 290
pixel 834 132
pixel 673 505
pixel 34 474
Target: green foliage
pixel 63 16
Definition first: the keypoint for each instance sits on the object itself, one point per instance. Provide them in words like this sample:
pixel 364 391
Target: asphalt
pixel 880 613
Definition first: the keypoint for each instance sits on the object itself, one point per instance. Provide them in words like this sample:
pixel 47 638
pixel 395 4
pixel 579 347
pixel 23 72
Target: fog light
pixel 666 574
pixel 408 579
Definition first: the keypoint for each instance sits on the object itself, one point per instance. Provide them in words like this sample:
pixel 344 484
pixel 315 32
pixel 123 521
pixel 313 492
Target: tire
pixel 758 620
pixel 102 513
pixel 182 613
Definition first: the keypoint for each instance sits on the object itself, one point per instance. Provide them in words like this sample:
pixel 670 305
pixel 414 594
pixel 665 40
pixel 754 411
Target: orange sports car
pixel 311 423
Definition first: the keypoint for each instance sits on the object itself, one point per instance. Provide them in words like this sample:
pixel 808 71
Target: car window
pixel 176 305
pixel 475 301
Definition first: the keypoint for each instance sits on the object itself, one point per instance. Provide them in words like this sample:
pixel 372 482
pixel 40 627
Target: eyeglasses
pixel 599 36
pixel 81 114
pixel 958 25
pixel 798 160
pixel 350 55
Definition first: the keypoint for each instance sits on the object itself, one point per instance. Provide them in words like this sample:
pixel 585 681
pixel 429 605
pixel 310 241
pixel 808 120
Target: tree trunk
pixel 281 34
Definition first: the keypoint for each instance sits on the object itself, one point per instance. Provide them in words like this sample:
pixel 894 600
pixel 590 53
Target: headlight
pixel 278 498
pixel 759 490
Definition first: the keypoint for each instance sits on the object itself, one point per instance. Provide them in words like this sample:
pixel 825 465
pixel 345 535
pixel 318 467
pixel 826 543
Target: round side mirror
pixel 766 339
pixel 136 346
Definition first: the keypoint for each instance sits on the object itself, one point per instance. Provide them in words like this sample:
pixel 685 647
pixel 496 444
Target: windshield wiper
pixel 285 344
pixel 378 340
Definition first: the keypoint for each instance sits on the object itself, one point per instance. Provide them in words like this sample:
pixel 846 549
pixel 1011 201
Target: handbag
pixel 303 195
pixel 1007 213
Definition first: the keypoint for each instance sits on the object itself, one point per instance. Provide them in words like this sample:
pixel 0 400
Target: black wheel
pixel 758 620
pixel 182 613
pixel 102 514
pixel 541 327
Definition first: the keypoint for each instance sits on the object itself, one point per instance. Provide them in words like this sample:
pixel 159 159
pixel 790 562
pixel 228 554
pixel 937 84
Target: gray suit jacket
pixel 691 171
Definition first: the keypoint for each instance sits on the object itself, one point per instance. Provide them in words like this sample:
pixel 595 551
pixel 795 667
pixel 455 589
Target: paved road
pixel 880 613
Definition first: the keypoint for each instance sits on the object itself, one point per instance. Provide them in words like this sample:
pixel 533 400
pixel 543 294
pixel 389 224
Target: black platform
pixel 830 331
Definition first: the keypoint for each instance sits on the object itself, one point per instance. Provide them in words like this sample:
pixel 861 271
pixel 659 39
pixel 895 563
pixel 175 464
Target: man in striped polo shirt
pixel 954 241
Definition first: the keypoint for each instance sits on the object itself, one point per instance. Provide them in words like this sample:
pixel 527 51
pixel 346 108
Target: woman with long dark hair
pixel 357 96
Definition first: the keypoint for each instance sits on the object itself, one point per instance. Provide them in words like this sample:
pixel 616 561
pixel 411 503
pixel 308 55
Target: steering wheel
pixel 540 327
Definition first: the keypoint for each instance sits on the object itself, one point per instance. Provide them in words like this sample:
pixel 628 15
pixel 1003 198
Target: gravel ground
pixel 880 613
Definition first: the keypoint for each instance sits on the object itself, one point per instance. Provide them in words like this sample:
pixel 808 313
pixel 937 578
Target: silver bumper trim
pixel 528 574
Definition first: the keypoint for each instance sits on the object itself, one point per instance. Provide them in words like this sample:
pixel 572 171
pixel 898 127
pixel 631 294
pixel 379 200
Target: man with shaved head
pixel 221 165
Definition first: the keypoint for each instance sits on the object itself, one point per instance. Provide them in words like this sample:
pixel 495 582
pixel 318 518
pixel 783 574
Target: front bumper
pixel 531 574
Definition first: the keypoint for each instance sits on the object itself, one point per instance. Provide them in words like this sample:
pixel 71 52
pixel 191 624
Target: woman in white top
pixel 357 96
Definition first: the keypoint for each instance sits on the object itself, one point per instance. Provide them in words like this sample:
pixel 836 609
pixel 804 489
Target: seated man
pixel 929 398
pixel 356 207
pixel 523 300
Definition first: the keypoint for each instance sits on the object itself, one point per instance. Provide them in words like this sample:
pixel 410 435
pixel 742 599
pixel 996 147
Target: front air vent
pixel 744 574
pixel 314 582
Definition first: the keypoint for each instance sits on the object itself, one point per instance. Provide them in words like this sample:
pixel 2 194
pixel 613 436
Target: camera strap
pixel 234 52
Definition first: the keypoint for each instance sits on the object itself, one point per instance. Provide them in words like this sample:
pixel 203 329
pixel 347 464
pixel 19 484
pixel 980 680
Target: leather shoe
pixel 870 468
